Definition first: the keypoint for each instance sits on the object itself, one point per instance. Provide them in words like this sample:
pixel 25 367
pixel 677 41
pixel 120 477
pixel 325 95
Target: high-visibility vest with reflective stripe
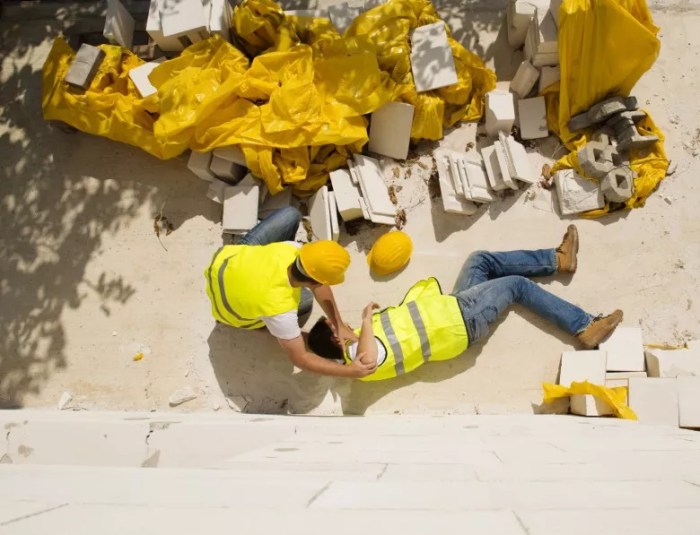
pixel 426 326
pixel 246 282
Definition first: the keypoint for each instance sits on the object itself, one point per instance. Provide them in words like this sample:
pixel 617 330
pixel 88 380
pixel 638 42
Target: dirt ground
pixel 85 284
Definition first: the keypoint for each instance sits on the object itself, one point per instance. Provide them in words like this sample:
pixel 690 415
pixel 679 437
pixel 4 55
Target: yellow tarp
pixel 297 109
pixel 615 397
pixel 605 46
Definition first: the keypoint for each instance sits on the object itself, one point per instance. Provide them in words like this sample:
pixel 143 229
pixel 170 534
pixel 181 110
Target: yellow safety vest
pixel 246 282
pixel 426 326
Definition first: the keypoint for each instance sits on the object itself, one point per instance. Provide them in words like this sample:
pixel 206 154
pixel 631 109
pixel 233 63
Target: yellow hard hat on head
pixel 324 261
pixel 390 253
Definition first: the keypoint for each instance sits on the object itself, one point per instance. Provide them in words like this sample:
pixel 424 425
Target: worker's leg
pixel 483 266
pixel 482 304
pixel 280 225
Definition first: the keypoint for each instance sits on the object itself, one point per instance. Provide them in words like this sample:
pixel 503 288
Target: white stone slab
pixel 347 195
pixel 432 61
pixel 139 75
pixel 625 350
pixel 519 13
pixel 184 18
pixel 220 13
pixel 155 29
pixel 548 76
pixel 216 190
pixel 672 362
pixel 84 66
pixel 493 170
pixel 451 202
pixel 475 179
pixel 579 366
pixel 587 405
pixel 500 112
pixel 342 15
pixel 198 163
pixel 524 80
pixel 240 208
pixel 333 216
pixel 281 199
pixel 226 170
pixel 319 214
pixel 655 401
pixel 519 165
pixel 365 210
pixel 119 24
pixel 374 189
pixel 503 164
pixel 577 194
pixel 688 401
pixel 532 118
pixel 232 153
pixel 390 130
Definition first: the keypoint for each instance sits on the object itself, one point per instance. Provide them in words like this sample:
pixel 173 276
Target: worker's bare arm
pixel 325 298
pixel 306 360
pixel 367 347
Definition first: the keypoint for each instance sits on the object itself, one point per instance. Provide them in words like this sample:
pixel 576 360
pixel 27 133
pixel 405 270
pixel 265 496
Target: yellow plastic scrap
pixel 615 397
pixel 261 25
pixel 591 72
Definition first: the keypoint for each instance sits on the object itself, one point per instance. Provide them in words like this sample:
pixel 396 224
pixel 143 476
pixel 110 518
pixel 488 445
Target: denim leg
pixel 280 225
pixel 482 304
pixel 482 266
pixel 306 302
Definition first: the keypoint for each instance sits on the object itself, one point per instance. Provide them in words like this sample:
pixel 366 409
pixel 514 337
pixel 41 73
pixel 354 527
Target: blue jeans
pixel 490 282
pixel 280 225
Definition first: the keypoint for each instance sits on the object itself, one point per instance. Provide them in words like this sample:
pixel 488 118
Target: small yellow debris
pixel 138 356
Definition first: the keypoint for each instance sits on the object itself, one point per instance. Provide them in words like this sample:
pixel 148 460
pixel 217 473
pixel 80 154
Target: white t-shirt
pixel 381 351
pixel 284 326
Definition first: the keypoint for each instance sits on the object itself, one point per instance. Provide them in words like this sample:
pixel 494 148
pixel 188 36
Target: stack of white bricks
pixel 663 386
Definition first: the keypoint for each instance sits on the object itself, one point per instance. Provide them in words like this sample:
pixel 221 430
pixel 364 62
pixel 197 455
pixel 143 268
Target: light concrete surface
pixel 85 285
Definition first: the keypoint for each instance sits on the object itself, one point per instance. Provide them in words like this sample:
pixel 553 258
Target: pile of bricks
pixel 663 386
pixel 176 24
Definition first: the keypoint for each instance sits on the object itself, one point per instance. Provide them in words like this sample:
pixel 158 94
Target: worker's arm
pixel 324 296
pixel 306 360
pixel 367 347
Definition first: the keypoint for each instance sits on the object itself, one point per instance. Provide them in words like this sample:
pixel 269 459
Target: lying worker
pixel 268 280
pixel 430 326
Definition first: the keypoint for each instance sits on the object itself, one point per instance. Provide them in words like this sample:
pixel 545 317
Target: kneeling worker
pixel 268 280
pixel 429 326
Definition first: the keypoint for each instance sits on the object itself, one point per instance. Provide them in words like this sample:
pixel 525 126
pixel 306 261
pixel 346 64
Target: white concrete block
pixel 342 15
pixel 119 24
pixel 226 170
pixel 688 401
pixel 390 130
pixel 84 66
pixel 524 80
pixel 577 194
pixel 451 202
pixel 579 366
pixel 240 208
pixel 155 29
pixel 548 76
pixel 554 6
pixel 532 118
pixel 519 165
pixel 493 170
pixel 232 153
pixel 374 189
pixel 220 14
pixel 503 165
pixel 184 18
pixel 587 405
pixel 139 75
pixel 500 112
pixel 519 13
pixel 347 195
pixel 365 210
pixel 625 350
pixel 275 202
pixel 613 379
pixel 216 190
pixel 476 183
pixel 672 362
pixel 655 401
pixel 313 13
pixel 199 163
pixel 432 62
pixel 319 215
pixel 333 216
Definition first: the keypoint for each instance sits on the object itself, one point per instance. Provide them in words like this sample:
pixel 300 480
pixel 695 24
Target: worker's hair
pixel 322 343
pixel 302 277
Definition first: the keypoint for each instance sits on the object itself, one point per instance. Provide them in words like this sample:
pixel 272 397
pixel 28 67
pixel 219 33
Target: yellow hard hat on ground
pixel 324 261
pixel 390 253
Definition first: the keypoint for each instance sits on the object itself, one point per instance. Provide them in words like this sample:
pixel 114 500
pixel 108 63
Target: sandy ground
pixel 85 284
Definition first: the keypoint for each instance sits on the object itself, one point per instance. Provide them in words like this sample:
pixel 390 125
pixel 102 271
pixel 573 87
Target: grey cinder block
pixel 84 66
pixel 596 159
pixel 618 184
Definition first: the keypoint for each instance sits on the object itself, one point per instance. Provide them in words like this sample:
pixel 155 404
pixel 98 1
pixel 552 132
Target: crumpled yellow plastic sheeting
pixel 615 397
pixel 110 107
pixel 605 46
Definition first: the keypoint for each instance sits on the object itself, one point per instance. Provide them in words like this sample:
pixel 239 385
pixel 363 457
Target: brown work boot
pixel 599 329
pixel 566 252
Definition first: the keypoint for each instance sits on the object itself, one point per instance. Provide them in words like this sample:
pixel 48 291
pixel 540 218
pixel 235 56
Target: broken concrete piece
pixel 518 16
pixel 541 39
pixel 227 170
pixel 333 216
pixel 199 163
pixel 373 187
pixel 500 112
pixel 577 194
pixel 139 76
pixel 688 402
pixel 493 169
pixel 631 139
pixel 182 396
pixel 587 405
pixel 654 401
pixel 390 130
pixel 119 24
pixel 347 195
pixel 216 190
pixel 532 118
pixel 524 80
pixel 66 398
pixel 502 160
pixel 232 153
pixel 319 215
pixel 84 66
pixel 519 165
pixel 625 350
pixel 618 184
pixel 342 15
pixel 603 111
pixel 596 159
pixel 548 76
pixel 432 62
pixel 451 202
pixel 476 184
pixel 240 208
pixel 672 362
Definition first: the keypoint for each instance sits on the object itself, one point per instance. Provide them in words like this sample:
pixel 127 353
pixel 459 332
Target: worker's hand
pixel 360 369
pixel 369 310
pixel 343 334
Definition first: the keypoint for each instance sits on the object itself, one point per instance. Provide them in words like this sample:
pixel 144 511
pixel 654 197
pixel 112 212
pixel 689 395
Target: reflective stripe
pixel 393 342
pixel 211 284
pixel 225 302
pixel 420 327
